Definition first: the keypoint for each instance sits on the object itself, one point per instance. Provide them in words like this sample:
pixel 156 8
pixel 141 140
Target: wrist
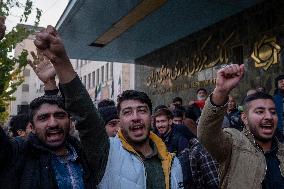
pixel 50 84
pixel 219 97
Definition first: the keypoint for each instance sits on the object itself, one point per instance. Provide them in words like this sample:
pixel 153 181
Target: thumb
pixel 50 55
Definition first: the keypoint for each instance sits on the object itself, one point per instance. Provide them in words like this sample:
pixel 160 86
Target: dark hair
pixel 45 99
pixel 106 102
pixel 134 95
pixel 201 89
pixel 177 112
pixel 161 106
pixel 189 113
pixel 18 122
pixel 255 96
pixel 164 111
pixel 280 77
pixel 108 113
pixel 175 99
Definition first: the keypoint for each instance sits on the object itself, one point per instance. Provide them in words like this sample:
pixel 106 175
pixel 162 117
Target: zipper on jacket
pixel 141 161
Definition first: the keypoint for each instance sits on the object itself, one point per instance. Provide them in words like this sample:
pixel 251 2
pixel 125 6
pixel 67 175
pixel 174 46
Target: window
pixel 94 78
pixel 98 77
pixel 89 81
pixel 111 70
pixel 41 88
pixel 25 88
pixel 26 72
pixel 77 64
pixel 103 74
pixel 85 80
pixel 107 69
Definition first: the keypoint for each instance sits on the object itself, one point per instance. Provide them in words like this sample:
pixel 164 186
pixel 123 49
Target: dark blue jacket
pixel 175 141
pixel 278 100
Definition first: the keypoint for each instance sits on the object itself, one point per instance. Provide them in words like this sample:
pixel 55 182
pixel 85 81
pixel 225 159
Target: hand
pixel 49 42
pixel 2 27
pixel 42 67
pixel 227 79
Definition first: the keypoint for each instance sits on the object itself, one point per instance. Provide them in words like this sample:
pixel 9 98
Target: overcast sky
pixel 51 12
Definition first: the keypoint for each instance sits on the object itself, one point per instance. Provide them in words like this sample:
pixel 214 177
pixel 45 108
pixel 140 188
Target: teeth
pixel 137 127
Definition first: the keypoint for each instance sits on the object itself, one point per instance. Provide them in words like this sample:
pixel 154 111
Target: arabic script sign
pixel 193 63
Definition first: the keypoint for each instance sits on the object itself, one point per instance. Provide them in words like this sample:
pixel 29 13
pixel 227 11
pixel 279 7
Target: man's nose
pixel 135 115
pixel 52 122
pixel 268 115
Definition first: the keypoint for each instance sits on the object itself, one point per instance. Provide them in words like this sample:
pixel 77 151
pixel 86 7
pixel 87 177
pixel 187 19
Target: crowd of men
pixel 66 142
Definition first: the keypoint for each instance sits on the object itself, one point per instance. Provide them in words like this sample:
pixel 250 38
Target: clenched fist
pixel 49 42
pixel 52 47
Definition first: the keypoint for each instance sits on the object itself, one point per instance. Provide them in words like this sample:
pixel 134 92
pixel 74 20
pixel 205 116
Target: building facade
pixel 104 80
pixel 253 37
pixel 31 87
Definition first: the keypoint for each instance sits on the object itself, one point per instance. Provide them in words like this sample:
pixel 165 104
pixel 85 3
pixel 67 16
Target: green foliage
pixel 11 67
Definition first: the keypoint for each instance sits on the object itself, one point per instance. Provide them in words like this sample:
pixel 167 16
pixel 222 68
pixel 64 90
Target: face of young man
pixel 112 127
pixel 135 121
pixel 177 120
pixel 51 124
pixel 281 84
pixel 177 104
pixel 231 103
pixel 201 95
pixel 261 119
pixel 163 124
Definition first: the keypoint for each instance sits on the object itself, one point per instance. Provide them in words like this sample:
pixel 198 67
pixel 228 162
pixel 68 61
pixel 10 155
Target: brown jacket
pixel 242 163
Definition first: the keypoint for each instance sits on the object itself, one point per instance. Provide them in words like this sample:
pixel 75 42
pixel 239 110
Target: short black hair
pixel 201 89
pixel 165 112
pixel 19 122
pixel 175 99
pixel 45 99
pixel 190 114
pixel 106 102
pixel 280 77
pixel 134 95
pixel 255 96
pixel 161 106
pixel 177 112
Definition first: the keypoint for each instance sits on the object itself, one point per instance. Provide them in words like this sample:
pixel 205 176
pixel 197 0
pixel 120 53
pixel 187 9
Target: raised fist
pixel 229 77
pixel 49 42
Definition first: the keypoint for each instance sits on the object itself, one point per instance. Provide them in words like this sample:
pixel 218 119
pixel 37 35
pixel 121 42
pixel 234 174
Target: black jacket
pixel 26 164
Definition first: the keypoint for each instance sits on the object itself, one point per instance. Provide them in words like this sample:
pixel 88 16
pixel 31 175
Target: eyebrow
pixel 47 113
pixel 263 108
pixel 130 107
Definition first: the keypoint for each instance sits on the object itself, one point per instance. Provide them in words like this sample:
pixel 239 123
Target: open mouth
pixel 161 128
pixel 267 128
pixel 137 130
pixel 54 135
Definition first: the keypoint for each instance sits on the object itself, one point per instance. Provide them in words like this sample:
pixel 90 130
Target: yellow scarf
pixel 165 156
